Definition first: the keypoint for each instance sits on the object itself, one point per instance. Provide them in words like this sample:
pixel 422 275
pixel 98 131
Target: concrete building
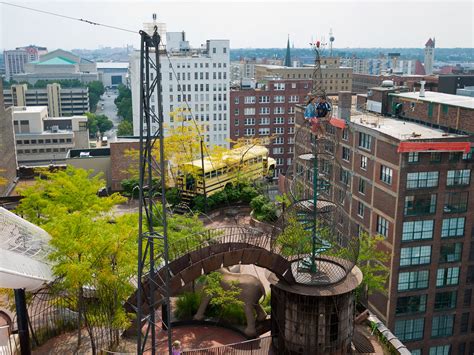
pixel 113 74
pixel 8 162
pixel 335 78
pixel 466 91
pixel 58 65
pixel 41 139
pixel 411 183
pixel 60 101
pixel 203 82
pixel 429 56
pixel 16 59
pixel 268 111
pixel 97 160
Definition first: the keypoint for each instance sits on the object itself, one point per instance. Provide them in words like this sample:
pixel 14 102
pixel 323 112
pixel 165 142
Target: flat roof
pixel 401 130
pixel 112 65
pixel 440 98
pixel 29 109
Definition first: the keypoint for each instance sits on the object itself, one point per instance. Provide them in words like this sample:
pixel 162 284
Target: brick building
pixel 269 111
pixel 411 184
pixel 437 109
pixel 121 161
pixel 361 83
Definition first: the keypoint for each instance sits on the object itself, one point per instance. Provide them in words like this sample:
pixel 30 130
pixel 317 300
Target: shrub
pixel 263 209
pixel 257 203
pixel 173 196
pixel 129 186
pixel 187 305
pixel 248 193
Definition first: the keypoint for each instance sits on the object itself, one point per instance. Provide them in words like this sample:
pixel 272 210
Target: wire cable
pixel 69 17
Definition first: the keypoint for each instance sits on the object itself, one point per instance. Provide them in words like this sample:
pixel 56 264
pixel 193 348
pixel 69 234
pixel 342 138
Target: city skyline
pixel 267 25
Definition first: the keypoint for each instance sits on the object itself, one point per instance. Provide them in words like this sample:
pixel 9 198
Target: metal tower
pixel 152 245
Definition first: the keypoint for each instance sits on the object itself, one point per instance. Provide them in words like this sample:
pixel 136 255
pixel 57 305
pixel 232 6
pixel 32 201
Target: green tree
pixel 124 103
pixel 125 128
pixel 98 123
pixel 96 90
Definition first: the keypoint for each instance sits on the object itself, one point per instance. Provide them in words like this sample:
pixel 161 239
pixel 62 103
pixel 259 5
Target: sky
pixel 247 24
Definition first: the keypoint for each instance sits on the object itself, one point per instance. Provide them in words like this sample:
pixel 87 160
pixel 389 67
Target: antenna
pixel 331 40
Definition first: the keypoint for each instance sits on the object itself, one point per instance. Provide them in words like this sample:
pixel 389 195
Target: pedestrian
pixel 176 350
pixel 323 108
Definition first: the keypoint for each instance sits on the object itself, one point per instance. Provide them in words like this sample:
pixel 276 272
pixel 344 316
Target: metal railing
pixel 259 346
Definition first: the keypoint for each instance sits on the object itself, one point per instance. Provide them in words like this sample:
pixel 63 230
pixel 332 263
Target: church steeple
pixel 288 56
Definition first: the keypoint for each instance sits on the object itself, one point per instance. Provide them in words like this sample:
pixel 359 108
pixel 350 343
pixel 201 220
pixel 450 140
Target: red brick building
pixel 268 111
pixel 412 184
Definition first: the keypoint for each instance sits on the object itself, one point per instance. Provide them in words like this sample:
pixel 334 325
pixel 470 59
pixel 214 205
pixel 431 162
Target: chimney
pixel 422 88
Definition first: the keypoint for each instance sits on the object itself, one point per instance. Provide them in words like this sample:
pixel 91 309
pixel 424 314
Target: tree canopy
pixel 98 123
pixel 96 90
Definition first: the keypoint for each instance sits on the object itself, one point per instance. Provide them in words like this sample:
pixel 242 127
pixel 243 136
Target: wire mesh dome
pixel 320 240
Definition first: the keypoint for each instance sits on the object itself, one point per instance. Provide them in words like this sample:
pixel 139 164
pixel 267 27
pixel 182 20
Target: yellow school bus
pixel 247 162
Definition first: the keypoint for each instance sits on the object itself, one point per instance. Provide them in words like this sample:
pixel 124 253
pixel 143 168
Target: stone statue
pixel 251 292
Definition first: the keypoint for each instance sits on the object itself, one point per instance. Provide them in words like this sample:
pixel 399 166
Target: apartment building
pixel 202 81
pixel 269 111
pixel 41 139
pixel 335 77
pixel 16 59
pixel 60 101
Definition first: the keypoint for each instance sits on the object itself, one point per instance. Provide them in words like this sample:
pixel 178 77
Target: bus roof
pixel 233 156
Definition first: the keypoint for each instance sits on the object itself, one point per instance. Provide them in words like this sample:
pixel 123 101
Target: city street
pixel 110 110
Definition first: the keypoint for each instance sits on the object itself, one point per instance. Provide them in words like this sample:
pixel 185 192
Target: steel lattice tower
pixel 152 245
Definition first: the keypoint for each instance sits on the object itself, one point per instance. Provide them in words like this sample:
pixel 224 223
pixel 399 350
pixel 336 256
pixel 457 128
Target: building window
pixel 445 300
pixel 360 209
pixel 365 141
pixel 382 226
pixel 363 162
pixel 415 256
pixel 264 131
pixel 279 130
pixel 442 326
pixel 264 99
pixel 264 110
pixel 458 177
pixel 279 110
pixel 249 121
pixel 249 99
pixel 249 111
pixel 464 324
pixel 386 174
pixel 440 350
pixel 450 253
pixel 278 150
pixel 279 86
pixel 422 179
pixel 249 131
pixel 361 186
pixel 413 280
pixel 416 352
pixel 409 329
pixel 455 202
pixel 264 121
pixel 344 176
pixel 419 205
pixel 279 99
pixel 435 157
pixel 447 276
pixel 417 230
pixel 410 305
pixel 279 120
pixel 345 134
pixel 346 154
pixel 278 140
pixel 453 227
pixel 413 157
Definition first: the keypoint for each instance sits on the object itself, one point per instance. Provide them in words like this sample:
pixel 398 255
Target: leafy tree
pixel 3 181
pixel 372 262
pixel 96 90
pixel 124 103
pixel 65 83
pixel 98 123
pixel 125 128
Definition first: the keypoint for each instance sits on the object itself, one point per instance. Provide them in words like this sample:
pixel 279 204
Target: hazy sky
pixel 401 23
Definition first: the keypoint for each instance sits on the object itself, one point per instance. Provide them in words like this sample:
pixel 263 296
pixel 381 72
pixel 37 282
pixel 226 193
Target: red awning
pixel 337 122
pixel 406 147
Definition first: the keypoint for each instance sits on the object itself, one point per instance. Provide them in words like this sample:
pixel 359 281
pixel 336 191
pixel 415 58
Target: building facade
pixel 113 74
pixel 60 101
pixel 8 162
pixel 202 81
pixel 58 65
pixel 41 139
pixel 16 59
pixel 418 198
pixel 361 83
pixel 269 112
pixel 335 78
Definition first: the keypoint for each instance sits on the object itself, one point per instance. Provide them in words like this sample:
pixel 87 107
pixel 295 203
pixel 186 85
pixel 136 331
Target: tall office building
pixel 203 82
pixel 16 59
pixel 60 101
